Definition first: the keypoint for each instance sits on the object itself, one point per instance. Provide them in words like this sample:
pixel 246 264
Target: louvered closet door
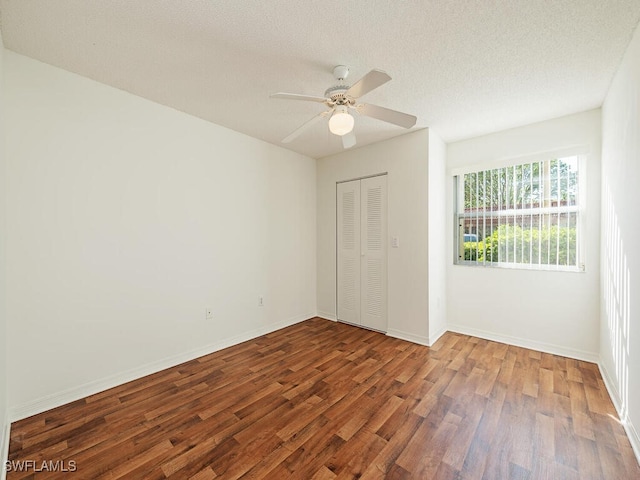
pixel 348 249
pixel 373 264
pixel 362 252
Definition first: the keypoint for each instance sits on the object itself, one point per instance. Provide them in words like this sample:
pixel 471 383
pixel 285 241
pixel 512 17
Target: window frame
pixel 580 209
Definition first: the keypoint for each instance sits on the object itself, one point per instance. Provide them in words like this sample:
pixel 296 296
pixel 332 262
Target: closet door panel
pixel 348 250
pixel 373 253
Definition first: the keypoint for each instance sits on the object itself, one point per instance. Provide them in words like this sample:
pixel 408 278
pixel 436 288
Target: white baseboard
pixel 612 388
pixel 409 337
pixel 634 438
pixel 436 336
pixel 526 343
pixel 75 393
pixel 328 316
pixel 5 430
pixel 419 339
pixel 623 413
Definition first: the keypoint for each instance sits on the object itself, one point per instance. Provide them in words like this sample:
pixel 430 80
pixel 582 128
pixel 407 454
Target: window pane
pixel 521 215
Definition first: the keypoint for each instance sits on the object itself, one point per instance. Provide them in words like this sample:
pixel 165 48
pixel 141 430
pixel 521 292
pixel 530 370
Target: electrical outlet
pixel 208 313
pixel 260 301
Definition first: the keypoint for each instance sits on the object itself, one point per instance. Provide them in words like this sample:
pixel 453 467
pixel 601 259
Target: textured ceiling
pixel 464 68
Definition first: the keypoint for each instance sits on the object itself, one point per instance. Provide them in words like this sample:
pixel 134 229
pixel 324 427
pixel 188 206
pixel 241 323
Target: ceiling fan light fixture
pixel 341 122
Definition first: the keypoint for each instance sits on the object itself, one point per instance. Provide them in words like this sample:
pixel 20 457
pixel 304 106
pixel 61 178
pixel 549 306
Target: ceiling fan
pixel 341 98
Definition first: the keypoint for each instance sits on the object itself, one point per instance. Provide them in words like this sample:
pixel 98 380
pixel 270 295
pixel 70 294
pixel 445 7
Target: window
pixel 525 216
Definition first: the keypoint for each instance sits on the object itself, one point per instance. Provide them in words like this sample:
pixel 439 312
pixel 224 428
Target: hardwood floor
pixel 323 400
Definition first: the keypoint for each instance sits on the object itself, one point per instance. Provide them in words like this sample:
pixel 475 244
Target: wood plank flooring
pixel 323 400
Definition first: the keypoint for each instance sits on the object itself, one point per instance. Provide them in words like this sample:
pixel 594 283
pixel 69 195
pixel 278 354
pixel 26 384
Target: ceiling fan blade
pixel 387 115
pixel 293 135
pixel 296 96
pixel 371 80
pixel 349 140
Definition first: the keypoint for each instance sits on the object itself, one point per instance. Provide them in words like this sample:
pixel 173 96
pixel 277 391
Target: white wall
pixel 405 158
pixel 550 311
pixel 438 237
pixel 126 220
pixel 4 419
pixel 620 296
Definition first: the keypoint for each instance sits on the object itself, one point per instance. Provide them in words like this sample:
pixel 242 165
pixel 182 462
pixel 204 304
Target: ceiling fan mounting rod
pixel 340 72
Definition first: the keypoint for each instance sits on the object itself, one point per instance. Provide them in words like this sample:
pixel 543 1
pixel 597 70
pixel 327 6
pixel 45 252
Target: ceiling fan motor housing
pixel 338 96
pixel 337 93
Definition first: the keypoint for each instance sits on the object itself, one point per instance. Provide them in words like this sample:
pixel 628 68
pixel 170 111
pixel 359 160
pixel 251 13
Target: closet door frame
pixel 370 314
